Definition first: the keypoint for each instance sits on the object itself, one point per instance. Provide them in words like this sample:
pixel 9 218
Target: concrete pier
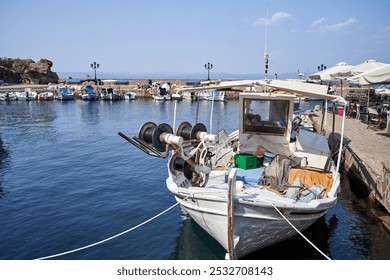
pixel 366 159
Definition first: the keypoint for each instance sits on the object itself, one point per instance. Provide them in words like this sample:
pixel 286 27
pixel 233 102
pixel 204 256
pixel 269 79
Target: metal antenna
pixel 265 48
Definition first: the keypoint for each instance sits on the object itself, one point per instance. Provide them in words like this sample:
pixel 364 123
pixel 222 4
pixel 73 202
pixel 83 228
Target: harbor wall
pixel 365 161
pixel 140 86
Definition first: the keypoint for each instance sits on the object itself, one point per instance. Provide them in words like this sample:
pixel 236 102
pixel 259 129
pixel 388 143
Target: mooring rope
pixel 297 230
pixel 112 237
pixel 160 214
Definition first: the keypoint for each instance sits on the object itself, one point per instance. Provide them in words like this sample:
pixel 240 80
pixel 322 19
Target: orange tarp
pixel 310 177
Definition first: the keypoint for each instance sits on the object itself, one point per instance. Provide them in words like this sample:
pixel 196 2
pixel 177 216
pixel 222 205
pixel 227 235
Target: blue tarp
pixel 193 82
pixel 89 90
pixel 64 91
pixel 73 81
pixel 124 82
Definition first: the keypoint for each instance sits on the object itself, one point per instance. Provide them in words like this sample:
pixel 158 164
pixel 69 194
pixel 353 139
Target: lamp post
pixel 208 67
pixel 95 66
pixel 321 67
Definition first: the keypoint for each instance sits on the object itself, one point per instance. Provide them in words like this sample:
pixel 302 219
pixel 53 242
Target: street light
pixel 95 66
pixel 208 67
pixel 321 67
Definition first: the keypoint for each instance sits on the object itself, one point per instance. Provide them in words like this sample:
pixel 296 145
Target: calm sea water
pixel 68 180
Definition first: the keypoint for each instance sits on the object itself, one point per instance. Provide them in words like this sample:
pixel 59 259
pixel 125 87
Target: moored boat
pixel 30 94
pixel 255 186
pixel 21 95
pixel 89 94
pixel 65 94
pixel 130 95
pixel 47 95
pixel 214 95
pixel 8 96
pixel 109 94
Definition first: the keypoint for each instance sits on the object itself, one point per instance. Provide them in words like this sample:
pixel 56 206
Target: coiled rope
pixel 112 237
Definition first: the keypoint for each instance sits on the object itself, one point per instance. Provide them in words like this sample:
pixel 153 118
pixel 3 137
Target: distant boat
pixel 176 96
pixel 21 95
pixel 192 96
pixel 130 95
pixel 214 95
pixel 89 94
pixel 65 94
pixel 31 95
pixel 383 90
pixel 8 96
pixel 158 97
pixel 47 95
pixel 109 94
pixel 162 92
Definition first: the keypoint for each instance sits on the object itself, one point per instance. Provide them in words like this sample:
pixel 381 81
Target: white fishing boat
pixel 26 95
pixel 30 94
pixel 176 96
pixel 21 95
pixel 191 96
pixel 158 97
pixel 214 95
pixel 89 94
pixel 8 96
pixel 47 95
pixel 65 94
pixel 255 186
pixel 109 94
pixel 161 93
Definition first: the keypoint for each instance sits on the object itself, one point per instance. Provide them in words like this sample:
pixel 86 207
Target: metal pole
pixel 95 66
pixel 208 66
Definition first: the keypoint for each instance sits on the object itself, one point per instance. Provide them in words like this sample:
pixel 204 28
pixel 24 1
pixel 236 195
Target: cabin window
pixel 266 116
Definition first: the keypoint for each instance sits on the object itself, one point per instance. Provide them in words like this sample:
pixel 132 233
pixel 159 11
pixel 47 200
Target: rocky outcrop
pixel 27 71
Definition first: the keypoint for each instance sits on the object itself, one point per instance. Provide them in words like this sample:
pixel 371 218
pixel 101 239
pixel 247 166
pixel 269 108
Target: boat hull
pixel 255 225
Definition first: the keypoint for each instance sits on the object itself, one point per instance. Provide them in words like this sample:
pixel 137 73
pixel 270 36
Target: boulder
pixel 27 71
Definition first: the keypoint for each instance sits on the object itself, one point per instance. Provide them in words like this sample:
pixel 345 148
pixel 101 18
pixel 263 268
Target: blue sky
pixel 174 36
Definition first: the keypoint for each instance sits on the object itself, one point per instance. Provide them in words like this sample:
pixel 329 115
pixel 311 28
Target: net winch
pixel 158 140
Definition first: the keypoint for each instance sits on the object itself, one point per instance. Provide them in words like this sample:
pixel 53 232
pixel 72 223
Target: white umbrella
pixel 333 72
pixel 367 65
pixel 379 75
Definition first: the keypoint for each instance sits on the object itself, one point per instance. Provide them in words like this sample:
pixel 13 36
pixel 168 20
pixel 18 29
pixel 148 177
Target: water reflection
pixel 3 156
pixel 362 230
pixel 29 113
pixel 193 243
pixel 90 112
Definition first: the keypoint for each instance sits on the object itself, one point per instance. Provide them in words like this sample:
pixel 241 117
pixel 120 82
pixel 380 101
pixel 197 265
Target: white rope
pixel 297 230
pixel 112 237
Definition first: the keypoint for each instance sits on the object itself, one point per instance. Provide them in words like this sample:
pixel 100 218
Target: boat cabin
pixel 267 119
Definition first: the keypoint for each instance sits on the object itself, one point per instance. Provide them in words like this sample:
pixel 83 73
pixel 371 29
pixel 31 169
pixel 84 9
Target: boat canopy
pixel 64 91
pixel 89 89
pixel 292 87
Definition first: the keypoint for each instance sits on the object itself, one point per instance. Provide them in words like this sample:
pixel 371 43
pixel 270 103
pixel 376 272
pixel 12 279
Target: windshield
pixel 266 116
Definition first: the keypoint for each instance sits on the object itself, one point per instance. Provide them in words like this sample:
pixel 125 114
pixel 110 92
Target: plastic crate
pixel 245 161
